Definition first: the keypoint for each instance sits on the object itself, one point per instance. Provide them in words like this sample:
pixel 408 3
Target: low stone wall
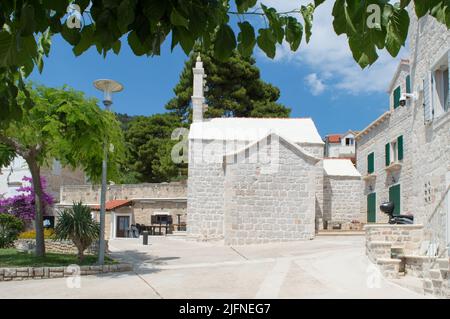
pixel 381 238
pixel 24 273
pixel 57 246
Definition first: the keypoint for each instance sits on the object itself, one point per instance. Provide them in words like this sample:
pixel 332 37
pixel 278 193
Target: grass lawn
pixel 10 257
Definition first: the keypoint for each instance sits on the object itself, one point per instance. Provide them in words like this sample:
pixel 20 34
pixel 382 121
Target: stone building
pixel 126 205
pixel 404 155
pixel 341 195
pixel 253 180
pixel 341 145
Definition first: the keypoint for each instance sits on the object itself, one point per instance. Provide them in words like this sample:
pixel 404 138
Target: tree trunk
pixel 38 205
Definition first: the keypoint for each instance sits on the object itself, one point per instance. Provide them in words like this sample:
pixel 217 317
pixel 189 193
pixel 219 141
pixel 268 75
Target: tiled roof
pixel 113 204
pixel 334 138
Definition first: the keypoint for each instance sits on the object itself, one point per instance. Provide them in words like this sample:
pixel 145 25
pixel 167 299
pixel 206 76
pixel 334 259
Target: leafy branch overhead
pixel 27 27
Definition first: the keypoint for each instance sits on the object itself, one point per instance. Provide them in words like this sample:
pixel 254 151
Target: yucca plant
pixel 76 224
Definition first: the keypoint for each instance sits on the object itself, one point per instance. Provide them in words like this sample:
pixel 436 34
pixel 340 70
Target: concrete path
pixel 326 267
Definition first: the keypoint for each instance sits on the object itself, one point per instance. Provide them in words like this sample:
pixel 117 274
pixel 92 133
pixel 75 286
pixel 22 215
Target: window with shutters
pixel 436 89
pixel 408 84
pixel 394 151
pixel 396 97
pixel 370 163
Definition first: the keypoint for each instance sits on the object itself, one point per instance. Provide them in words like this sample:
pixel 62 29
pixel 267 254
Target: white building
pixel 254 180
pixel 404 155
pixel 11 177
pixel 341 145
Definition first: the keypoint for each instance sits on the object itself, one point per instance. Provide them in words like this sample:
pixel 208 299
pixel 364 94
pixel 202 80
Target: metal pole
pixel 101 245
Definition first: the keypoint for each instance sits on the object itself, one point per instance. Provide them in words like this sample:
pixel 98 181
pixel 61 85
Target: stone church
pixel 254 180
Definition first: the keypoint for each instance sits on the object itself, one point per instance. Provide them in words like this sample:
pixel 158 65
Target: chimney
pixel 198 98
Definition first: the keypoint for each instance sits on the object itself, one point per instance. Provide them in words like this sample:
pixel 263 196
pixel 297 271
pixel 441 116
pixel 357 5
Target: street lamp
pixel 108 87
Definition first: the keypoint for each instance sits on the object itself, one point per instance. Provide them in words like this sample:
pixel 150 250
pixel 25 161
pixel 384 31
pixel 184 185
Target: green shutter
pixel 400 147
pixel 394 196
pixel 370 163
pixel 397 96
pixel 408 84
pixel 371 208
pixel 387 150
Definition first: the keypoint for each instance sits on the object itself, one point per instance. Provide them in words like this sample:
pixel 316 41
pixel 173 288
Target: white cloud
pixel 329 56
pixel 315 84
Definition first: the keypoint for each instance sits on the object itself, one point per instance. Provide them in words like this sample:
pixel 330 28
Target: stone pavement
pixel 326 267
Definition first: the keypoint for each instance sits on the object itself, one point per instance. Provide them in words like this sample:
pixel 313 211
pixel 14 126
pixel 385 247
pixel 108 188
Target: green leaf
pixel 266 42
pixel 339 21
pixel 86 41
pixel 8 49
pixel 404 3
pixel 274 22
pixel 246 38
pixel 294 33
pixel 70 35
pixel 422 7
pixel 116 46
pixel 350 27
pixel 126 16
pixel 225 42
pixel 244 5
pixel 397 31
pixel 307 13
pixel 363 50
pixel 27 23
pixel 177 19
pixel 318 2
pixel 135 44
pixel 185 39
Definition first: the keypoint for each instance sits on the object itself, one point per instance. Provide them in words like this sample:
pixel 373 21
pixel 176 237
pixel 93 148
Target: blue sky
pixel 320 81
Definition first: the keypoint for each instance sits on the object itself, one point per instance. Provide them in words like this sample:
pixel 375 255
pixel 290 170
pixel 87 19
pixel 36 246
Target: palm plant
pixel 76 224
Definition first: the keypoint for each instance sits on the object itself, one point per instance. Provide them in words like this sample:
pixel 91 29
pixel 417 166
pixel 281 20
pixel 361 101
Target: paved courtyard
pixel 326 267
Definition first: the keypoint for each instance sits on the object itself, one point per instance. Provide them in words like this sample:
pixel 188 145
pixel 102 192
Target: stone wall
pixel 341 200
pixel 265 203
pixel 398 123
pixel 56 246
pixel 24 273
pixel 424 175
pixel 207 191
pixel 90 194
pixel 381 238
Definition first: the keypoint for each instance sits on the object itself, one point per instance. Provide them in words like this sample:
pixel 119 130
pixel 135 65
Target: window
pixel 408 84
pixel 394 151
pixel 370 163
pixel 396 97
pixel 436 89
pixel 348 141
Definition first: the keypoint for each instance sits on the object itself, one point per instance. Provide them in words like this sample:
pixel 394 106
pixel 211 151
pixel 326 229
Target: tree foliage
pixel 233 88
pixel 27 27
pixel 149 143
pixel 10 227
pixel 66 126
pixel 77 225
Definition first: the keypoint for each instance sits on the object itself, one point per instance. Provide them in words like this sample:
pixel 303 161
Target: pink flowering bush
pixel 22 205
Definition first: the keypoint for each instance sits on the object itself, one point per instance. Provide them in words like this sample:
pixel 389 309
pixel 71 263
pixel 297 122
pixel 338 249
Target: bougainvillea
pixel 22 204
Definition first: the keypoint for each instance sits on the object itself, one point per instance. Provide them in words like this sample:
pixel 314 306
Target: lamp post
pixel 107 87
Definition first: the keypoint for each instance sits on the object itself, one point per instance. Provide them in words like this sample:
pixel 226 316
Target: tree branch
pixel 18 148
